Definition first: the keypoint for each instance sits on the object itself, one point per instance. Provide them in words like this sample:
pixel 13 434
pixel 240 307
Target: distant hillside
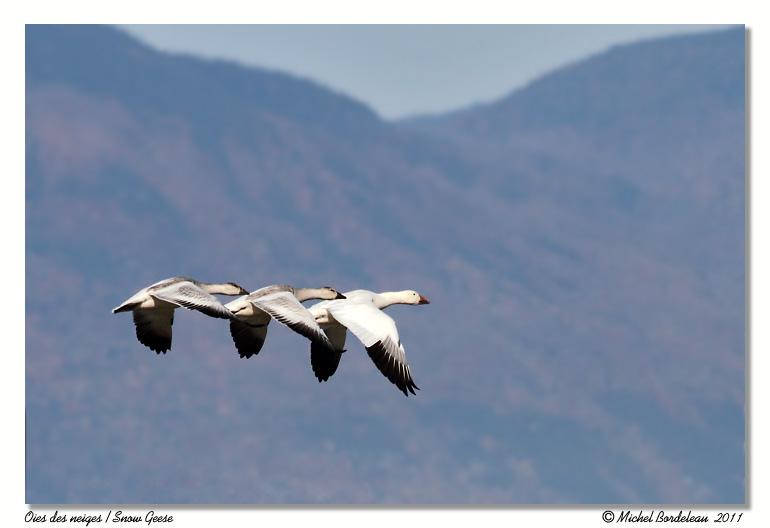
pixel 581 241
pixel 631 87
pixel 645 111
pixel 643 129
pixel 212 93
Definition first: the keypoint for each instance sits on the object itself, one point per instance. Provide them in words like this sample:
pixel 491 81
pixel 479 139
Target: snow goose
pixel 361 313
pixel 282 303
pixel 154 306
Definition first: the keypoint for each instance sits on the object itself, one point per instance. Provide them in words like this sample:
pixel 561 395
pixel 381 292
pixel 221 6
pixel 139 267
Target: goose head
pixel 222 288
pixel 330 293
pixel 326 293
pixel 412 297
pixel 233 289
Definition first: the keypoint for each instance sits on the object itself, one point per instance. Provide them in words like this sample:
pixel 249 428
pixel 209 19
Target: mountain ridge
pixel 716 41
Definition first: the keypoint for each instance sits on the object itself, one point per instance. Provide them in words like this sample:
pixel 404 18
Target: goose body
pixel 281 302
pixel 361 313
pixel 153 307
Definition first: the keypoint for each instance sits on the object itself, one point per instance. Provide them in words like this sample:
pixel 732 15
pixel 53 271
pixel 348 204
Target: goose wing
pixel 192 297
pixel 323 360
pixel 378 332
pixel 286 309
pixel 249 334
pixel 153 328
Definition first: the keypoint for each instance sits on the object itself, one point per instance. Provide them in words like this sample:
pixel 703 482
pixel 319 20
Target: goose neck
pixel 226 288
pixel 385 299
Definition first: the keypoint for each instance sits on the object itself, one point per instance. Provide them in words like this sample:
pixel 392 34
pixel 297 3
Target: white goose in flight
pixel 282 303
pixel 154 306
pixel 361 313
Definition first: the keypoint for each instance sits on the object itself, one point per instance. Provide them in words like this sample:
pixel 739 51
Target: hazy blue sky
pixel 439 67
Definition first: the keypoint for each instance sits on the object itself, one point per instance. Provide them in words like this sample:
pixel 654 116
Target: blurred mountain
pixel 638 115
pixel 581 241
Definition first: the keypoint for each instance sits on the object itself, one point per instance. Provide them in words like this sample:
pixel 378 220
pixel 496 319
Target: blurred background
pixel 580 237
